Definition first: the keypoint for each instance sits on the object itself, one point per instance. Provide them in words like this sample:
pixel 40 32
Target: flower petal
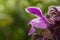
pixel 39 23
pixel 32 30
pixel 34 10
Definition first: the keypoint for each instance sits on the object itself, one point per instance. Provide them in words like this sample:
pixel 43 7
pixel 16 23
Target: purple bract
pixel 39 22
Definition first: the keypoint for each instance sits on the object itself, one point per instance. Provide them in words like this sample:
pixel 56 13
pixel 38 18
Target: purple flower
pixel 39 22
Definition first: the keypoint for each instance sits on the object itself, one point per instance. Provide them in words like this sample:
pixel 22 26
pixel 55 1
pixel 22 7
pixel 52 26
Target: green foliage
pixel 14 20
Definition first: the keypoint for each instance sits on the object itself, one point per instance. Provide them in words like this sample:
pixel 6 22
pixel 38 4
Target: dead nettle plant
pixel 48 26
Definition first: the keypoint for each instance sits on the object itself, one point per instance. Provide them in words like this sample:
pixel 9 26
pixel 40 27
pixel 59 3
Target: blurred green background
pixel 14 19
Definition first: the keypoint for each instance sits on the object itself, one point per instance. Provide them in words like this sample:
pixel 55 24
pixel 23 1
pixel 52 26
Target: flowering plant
pixel 39 22
pixel 50 22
